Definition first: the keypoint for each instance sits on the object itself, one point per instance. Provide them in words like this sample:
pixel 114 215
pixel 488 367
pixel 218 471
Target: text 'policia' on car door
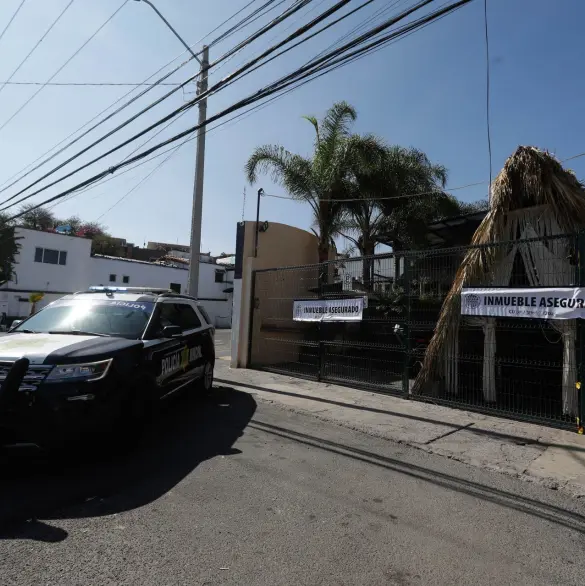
pixel 181 360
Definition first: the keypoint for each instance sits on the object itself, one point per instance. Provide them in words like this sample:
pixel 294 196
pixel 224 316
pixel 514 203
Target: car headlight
pixel 89 371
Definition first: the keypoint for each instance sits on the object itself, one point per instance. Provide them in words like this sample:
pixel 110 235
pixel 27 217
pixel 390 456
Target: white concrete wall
pixel 37 276
pixel 83 270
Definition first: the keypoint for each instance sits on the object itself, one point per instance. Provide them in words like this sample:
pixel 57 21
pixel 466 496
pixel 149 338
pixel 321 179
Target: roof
pixel 446 231
pixel 142 262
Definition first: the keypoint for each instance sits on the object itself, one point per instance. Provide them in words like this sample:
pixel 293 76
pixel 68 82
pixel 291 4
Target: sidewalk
pixel 554 458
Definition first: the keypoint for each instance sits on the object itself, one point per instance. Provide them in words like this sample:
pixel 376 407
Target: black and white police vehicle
pixel 100 357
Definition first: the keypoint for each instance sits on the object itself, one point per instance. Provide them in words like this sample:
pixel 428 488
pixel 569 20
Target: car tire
pixel 205 383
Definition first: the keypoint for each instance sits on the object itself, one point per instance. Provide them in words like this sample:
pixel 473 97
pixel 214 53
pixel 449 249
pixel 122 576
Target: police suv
pixel 100 357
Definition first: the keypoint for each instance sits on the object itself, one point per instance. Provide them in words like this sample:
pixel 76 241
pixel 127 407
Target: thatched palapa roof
pixel 534 186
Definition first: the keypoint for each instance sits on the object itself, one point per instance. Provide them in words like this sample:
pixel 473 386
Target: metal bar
pixel 581 327
pixel 172 29
pixel 251 319
pixel 260 192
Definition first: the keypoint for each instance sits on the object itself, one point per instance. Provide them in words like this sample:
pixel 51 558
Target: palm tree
pixel 381 209
pixel 403 173
pixel 326 178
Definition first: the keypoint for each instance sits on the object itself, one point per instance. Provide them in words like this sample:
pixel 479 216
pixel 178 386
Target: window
pixel 178 314
pixel 101 317
pixel 187 316
pixel 112 278
pixel 219 276
pixel 125 279
pixel 50 256
pixel 204 313
pixel 176 287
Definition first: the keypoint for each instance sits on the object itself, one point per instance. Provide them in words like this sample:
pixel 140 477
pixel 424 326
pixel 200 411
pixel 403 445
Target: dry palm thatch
pixel 530 178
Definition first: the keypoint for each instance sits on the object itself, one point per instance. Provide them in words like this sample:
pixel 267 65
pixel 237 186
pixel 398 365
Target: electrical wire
pixel 573 157
pixel 299 75
pixel 5 83
pixel 84 84
pixel 190 104
pixel 11 19
pixel 220 85
pixel 27 170
pixel 375 199
pixel 27 102
pixel 141 182
pixel 252 17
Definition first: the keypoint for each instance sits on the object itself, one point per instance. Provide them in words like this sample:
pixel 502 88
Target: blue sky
pixel 427 91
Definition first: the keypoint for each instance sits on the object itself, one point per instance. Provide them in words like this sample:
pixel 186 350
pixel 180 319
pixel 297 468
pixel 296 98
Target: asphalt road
pixel 237 493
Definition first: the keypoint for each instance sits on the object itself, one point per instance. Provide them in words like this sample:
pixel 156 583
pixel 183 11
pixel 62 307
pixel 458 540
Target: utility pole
pixel 197 212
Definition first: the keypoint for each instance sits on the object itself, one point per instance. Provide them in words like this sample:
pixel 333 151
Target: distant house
pixel 57 264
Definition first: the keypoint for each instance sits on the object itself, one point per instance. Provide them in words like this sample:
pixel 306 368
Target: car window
pixel 169 315
pixel 108 317
pixel 204 314
pixel 177 314
pixel 188 318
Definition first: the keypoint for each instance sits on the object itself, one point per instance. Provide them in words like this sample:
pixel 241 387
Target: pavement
pixel 245 490
pixel 547 456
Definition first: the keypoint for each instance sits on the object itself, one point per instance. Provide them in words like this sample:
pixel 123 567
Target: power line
pixel 303 73
pixel 252 17
pixel 375 199
pixel 11 19
pixel 141 182
pixel 128 121
pixel 573 157
pixel 27 170
pixel 27 102
pixel 84 84
pixel 218 86
pixel 5 83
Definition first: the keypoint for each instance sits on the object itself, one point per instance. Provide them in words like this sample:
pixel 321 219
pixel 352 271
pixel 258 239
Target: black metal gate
pixel 404 294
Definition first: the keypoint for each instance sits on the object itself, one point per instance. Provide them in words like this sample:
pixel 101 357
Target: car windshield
pixel 126 319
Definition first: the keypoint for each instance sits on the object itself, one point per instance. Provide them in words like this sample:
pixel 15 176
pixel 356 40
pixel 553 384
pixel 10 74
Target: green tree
pixel 325 179
pixel 37 218
pixel 104 244
pixel 8 249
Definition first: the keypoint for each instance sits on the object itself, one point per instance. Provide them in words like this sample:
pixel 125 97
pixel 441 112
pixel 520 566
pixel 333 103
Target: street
pixel 235 492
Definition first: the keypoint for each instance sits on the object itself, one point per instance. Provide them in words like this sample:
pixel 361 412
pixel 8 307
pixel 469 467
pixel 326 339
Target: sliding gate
pixel 521 368
pixel 371 353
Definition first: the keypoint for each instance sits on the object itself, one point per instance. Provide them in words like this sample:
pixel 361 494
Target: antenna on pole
pixel 244 204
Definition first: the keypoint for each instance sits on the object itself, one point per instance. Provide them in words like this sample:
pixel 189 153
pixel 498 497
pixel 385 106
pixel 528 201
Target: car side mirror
pixel 171 331
pixel 14 324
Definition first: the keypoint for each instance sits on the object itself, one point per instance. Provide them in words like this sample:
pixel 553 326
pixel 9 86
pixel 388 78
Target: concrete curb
pixel 550 457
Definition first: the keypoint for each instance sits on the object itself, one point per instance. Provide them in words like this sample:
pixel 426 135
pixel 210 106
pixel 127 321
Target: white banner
pixel 535 303
pixel 329 310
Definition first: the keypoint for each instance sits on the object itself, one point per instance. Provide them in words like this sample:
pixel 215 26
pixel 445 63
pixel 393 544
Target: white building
pixel 57 264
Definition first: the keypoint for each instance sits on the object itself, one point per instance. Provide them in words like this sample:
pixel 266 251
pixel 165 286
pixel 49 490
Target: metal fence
pixel 515 367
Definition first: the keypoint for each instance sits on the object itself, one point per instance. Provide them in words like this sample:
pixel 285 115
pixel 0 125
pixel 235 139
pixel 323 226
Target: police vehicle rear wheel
pixel 206 381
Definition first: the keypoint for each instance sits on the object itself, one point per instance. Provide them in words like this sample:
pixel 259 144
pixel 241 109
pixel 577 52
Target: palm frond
pixel 530 178
pixel 315 124
pixel 291 171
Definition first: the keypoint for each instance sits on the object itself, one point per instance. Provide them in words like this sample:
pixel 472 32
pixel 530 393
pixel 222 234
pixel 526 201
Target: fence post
pixel 407 349
pixel 251 317
pixel 581 325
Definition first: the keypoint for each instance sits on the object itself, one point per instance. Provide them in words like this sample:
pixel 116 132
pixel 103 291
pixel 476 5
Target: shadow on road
pixel 35 489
